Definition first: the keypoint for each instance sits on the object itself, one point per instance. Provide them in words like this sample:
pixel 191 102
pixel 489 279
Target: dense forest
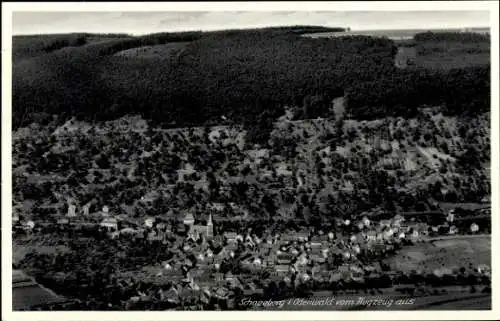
pixel 247 76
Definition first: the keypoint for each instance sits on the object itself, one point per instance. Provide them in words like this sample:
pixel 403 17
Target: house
pixel 283 261
pixel 128 231
pixel 315 245
pixel 453 230
pixel 110 223
pixel 105 211
pixel 385 223
pixel 319 238
pixel 230 236
pixel 282 269
pixel 387 234
pixel 217 207
pixel 153 236
pixel 397 221
pixel 62 221
pixel 188 219
pixel 220 293
pixel 451 216
pixel 371 236
pixel 229 276
pixel 317 258
pixel 29 225
pixel 86 209
pixel 71 211
pixel 149 222
pixel 269 261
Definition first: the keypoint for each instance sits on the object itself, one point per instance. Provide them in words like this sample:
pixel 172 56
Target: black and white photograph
pixel 292 160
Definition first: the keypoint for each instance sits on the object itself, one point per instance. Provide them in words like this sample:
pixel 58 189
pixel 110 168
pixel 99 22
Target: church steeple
pixel 210 227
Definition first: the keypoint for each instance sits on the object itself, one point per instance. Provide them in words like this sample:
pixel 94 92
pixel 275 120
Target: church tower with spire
pixel 210 227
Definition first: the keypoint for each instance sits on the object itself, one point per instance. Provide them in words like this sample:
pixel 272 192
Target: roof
pixel 189 217
pixel 281 267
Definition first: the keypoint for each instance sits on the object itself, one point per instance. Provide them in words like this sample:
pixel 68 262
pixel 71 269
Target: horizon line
pixel 243 28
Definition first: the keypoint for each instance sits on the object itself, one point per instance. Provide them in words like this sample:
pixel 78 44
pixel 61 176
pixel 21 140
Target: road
pixel 456 237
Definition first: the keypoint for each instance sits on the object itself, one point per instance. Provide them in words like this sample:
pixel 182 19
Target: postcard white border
pixel 8 8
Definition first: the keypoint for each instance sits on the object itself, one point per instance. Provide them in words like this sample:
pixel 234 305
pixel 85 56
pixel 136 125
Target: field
pixel 401 34
pixel 170 50
pixel 20 250
pixel 447 55
pixel 430 54
pixel 450 253
pixel 27 293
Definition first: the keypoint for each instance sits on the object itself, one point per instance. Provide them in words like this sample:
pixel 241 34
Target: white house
pixel 189 219
pixel 371 236
pixel 451 216
pixel 86 209
pixel 105 210
pixel 148 222
pixel 388 233
pixel 71 211
pixel 30 224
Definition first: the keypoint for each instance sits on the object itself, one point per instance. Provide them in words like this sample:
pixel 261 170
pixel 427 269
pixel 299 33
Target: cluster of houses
pixel 208 264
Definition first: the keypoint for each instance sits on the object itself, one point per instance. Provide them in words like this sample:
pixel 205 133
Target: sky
pixel 149 22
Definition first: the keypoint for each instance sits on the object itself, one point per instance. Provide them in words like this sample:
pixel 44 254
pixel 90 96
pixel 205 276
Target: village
pixel 209 260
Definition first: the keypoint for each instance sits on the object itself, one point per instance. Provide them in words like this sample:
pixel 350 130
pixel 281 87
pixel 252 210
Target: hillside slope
pixel 309 168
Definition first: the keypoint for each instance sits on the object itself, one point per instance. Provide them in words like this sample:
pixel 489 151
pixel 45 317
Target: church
pixel 197 231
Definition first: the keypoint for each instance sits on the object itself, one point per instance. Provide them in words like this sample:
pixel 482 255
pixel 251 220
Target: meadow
pixel 451 253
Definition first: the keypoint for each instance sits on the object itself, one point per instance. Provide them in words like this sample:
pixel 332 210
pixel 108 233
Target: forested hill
pixel 242 76
pixel 395 138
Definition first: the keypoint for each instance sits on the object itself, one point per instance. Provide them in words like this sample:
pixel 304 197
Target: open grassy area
pixel 20 250
pixel 450 253
pixel 452 54
pixel 169 50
